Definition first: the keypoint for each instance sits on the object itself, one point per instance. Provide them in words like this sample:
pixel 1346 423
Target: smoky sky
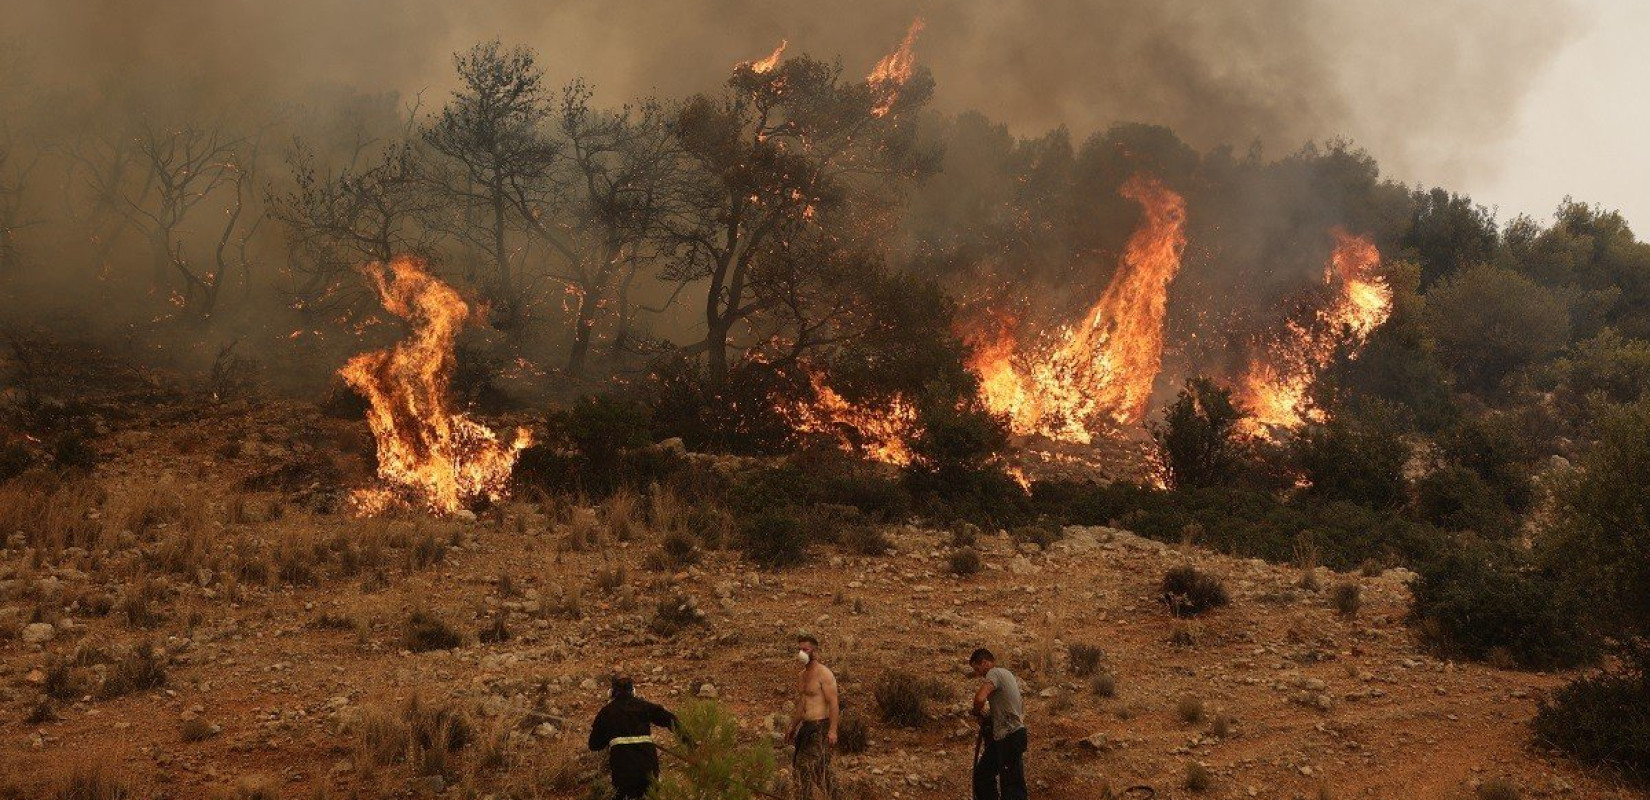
pixel 1431 88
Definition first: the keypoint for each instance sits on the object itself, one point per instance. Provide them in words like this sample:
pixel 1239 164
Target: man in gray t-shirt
pixel 999 773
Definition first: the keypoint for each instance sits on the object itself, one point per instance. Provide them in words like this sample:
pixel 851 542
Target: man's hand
pixel 830 738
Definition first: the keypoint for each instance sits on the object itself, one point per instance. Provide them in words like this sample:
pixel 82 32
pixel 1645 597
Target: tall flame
pixel 1276 387
pixel 1103 368
pixel 893 71
pixel 428 455
pixel 879 433
pixel 766 65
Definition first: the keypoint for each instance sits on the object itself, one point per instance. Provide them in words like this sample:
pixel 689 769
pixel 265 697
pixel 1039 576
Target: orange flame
pixel 765 65
pixel 428 454
pixel 1276 387
pixel 876 433
pixel 1103 368
pixel 893 71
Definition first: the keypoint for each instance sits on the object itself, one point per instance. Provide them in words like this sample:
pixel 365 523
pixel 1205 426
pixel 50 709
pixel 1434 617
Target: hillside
pixel 283 640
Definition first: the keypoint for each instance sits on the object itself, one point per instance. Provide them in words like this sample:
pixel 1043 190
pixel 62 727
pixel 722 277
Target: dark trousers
pixel 634 767
pixel 1000 774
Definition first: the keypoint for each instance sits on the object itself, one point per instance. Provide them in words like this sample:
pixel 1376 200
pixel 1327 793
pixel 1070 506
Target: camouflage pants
pixel 812 762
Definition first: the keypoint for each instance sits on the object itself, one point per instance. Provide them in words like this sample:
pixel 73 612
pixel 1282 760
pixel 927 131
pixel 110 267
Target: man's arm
pixel 981 696
pixel 599 735
pixel 796 716
pixel 661 716
pixel 833 709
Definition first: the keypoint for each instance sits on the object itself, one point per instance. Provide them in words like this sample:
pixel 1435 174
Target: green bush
pixel 1357 456
pixel 774 539
pixel 1481 601
pixel 1457 499
pixel 713 763
pixel 1602 720
pixel 1197 441
pixel 1189 592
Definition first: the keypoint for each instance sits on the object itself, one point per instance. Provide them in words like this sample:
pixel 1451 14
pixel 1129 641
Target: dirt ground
pixel 1297 700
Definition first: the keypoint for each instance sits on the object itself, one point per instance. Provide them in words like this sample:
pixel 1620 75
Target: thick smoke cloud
pixel 1429 87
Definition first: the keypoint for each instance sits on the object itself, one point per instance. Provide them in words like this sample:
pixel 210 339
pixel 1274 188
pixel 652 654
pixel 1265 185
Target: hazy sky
pixel 1516 102
pixel 1583 128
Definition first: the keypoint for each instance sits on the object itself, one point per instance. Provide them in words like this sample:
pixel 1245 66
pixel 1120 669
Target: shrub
pixel 675 614
pixel 867 540
pixel 1189 709
pixel 966 561
pixel 853 735
pixel 71 452
pixel 1457 499
pixel 901 699
pixel 1346 598
pixel 774 539
pixel 195 729
pixel 1188 591
pixel 714 764
pixel 1199 778
pixel 495 632
pixel 90 782
pixel 1490 322
pixel 1104 684
pixel 1085 659
pixel 678 550
pixel 1498 789
pixel 427 631
pixel 1481 600
pixel 426 736
pixel 137 669
pixel 1602 720
pixel 1040 535
pixel 1222 726
pixel 1197 441
pixel 15 459
pixel 1358 455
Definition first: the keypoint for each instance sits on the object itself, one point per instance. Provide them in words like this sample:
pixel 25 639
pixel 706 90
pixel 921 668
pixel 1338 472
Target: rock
pixel 428 785
pixel 1097 743
pixel 708 691
pixel 38 633
pixel 343 767
pixel 673 445
pixel 464 515
pixel 588 684
pixel 1020 565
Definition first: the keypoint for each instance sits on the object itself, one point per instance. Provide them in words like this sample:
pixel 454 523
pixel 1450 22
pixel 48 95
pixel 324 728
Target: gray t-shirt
pixel 1007 712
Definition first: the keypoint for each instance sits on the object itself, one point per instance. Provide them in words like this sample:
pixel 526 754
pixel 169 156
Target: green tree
pixel 1608 365
pixel 1491 322
pixel 709 762
pixel 1358 455
pixel 1448 232
pixel 1600 541
pixel 1198 443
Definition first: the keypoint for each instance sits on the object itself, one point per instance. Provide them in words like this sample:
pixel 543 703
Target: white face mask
pixel 802 656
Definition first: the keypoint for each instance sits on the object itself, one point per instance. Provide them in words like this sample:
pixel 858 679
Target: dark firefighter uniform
pixel 624 728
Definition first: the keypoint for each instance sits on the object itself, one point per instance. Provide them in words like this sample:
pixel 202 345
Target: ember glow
pixel 766 65
pixel 893 71
pixel 1277 387
pixel 880 432
pixel 1100 370
pixel 429 456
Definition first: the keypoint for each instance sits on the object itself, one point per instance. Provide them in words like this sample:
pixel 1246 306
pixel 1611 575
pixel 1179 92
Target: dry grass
pixel 53 512
pixel 137 668
pixel 426 631
pixel 1190 709
pixel 90 782
pixel 428 737
pixel 620 517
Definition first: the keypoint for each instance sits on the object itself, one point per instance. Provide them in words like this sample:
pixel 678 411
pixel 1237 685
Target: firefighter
pixel 624 728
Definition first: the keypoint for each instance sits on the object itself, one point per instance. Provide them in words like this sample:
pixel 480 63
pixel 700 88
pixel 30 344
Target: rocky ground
pixel 281 631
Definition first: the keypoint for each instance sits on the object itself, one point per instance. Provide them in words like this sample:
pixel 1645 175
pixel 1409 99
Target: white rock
pixel 38 632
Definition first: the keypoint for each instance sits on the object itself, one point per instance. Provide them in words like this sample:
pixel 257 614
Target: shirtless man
pixel 813 728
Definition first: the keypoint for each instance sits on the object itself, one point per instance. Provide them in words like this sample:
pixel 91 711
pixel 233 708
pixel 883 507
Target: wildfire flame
pixel 1276 387
pixel 765 65
pixel 876 433
pixel 1103 368
pixel 893 71
pixel 428 454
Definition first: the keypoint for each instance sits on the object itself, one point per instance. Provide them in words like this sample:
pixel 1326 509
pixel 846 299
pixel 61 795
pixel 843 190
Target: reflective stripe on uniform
pixel 617 740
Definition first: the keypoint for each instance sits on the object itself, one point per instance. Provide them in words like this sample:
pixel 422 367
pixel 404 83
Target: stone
pixel 708 691
pixel 38 633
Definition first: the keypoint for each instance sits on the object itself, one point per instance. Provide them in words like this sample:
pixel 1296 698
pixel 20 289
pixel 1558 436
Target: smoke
pixel 1430 88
